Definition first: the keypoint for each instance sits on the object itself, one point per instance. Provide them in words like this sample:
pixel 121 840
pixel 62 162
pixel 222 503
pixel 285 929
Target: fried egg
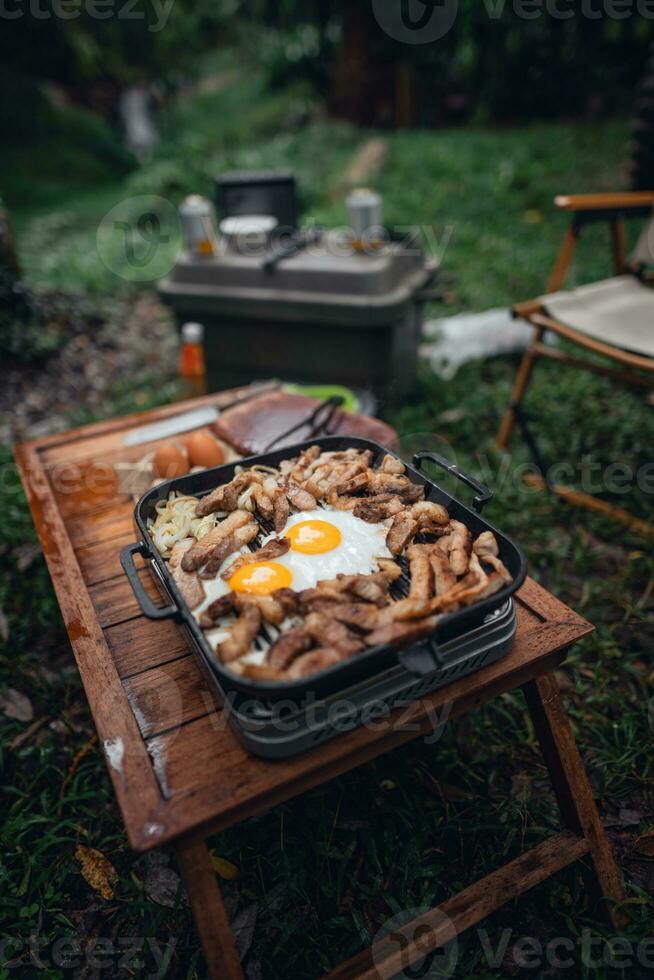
pixel 261 578
pixel 325 543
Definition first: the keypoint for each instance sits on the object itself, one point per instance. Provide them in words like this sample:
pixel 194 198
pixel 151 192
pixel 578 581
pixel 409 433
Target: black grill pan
pixel 419 660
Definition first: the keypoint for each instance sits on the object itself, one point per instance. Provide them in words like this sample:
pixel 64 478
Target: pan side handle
pixel 482 493
pixel 148 607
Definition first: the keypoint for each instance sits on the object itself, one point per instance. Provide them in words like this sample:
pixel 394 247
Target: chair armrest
pixel 617 203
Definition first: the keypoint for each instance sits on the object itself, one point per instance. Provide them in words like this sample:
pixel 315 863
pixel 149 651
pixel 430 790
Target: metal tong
pixel 319 421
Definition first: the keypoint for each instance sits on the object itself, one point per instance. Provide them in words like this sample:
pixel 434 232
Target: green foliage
pixel 128 42
pixel 495 62
pixel 53 151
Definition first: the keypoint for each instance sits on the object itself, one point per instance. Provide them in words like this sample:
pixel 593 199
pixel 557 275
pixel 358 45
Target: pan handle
pixel 482 493
pixel 148 607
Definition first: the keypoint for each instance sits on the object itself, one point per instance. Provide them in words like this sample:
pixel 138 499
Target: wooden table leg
pixel 211 920
pixel 573 792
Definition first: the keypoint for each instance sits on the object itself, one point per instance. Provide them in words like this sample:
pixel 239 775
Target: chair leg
pixel 521 382
pixel 223 962
pixel 618 245
pixel 572 789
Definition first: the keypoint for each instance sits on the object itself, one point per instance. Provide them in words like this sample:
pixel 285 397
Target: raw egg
pixel 169 461
pixel 314 537
pixel 261 578
pixel 203 450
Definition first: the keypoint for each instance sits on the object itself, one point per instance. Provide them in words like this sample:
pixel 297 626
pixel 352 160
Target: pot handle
pixel 482 493
pixel 148 607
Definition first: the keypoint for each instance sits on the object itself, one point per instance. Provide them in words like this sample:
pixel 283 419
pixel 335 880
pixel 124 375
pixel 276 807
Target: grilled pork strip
pixel 220 607
pixel 401 532
pixel 233 542
pixel 486 544
pixel 298 497
pixel 324 630
pixel 422 575
pixel 271 610
pixel 312 662
pixel 289 599
pixel 429 512
pixel 402 634
pixel 389 569
pixel 487 549
pixel 281 511
pixel 287 647
pixel 390 464
pixel 353 484
pixel 361 616
pixel 444 577
pixel 272 549
pixel 371 588
pixel 226 496
pixel 188 583
pixel 460 547
pixel 203 549
pixel 376 509
pixel 338 502
pixel 241 636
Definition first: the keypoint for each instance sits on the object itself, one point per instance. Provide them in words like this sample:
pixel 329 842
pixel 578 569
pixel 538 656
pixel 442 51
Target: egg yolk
pixel 261 578
pixel 314 537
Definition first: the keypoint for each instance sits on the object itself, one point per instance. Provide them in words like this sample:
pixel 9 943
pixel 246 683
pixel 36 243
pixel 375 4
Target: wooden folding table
pixel 178 772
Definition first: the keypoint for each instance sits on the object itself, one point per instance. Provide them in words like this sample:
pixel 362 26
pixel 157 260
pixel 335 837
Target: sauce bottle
pixel 192 369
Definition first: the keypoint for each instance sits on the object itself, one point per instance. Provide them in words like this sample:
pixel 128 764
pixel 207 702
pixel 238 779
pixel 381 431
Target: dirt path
pixel 135 343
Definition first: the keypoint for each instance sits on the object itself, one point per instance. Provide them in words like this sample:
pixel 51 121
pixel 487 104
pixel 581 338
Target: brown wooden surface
pixel 599 202
pixel 578 498
pixel 618 246
pixel 639 362
pixel 182 771
pixel 572 788
pixel 391 956
pixel 563 260
pixel 221 957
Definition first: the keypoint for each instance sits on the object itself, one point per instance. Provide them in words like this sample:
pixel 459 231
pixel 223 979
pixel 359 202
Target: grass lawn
pixel 324 872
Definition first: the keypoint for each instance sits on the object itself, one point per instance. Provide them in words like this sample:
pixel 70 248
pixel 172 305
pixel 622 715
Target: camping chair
pixel 613 318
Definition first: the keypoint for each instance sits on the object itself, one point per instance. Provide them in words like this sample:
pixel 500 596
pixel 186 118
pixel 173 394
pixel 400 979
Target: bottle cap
pixel 192 333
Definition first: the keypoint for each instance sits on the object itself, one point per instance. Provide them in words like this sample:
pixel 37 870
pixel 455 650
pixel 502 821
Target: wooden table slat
pixel 141 644
pixel 101 562
pixel 115 602
pixel 105 524
pixel 170 696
